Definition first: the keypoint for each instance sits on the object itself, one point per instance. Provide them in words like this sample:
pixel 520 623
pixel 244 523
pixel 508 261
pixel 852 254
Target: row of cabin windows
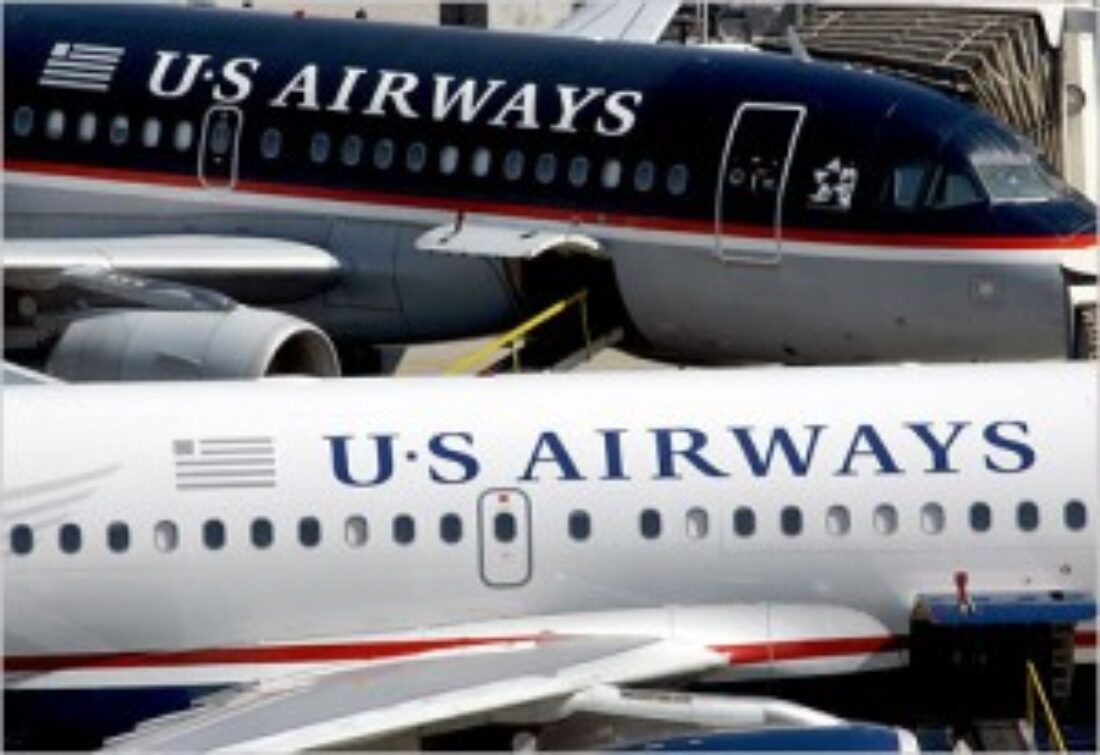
pixel 885 519
pixel 514 165
pixel 505 527
pixel 119 129
pixel 353 149
pixel 261 533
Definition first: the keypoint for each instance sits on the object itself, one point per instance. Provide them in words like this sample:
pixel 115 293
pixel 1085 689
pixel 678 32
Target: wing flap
pixel 367 704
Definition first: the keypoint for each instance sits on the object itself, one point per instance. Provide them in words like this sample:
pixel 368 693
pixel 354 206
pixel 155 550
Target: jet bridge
pixel 1000 60
pixel 1032 64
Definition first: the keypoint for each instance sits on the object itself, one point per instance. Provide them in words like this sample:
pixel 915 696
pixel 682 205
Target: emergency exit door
pixel 504 537
pixel 219 147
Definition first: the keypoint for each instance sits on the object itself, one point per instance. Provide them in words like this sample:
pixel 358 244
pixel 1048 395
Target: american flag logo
pixel 78 66
pixel 224 463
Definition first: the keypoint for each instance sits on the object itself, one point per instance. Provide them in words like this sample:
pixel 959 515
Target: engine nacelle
pixel 144 345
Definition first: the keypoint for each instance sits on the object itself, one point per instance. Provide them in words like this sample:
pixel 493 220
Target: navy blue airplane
pixel 200 192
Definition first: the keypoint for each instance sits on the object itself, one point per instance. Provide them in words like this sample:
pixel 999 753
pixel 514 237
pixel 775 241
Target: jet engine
pixel 237 343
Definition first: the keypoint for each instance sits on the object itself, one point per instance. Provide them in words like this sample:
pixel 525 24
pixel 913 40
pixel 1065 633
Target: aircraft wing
pixel 284 270
pixel 380 703
pixel 623 20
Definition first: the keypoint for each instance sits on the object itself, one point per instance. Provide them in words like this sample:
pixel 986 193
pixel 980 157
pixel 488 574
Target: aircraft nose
pixel 1069 218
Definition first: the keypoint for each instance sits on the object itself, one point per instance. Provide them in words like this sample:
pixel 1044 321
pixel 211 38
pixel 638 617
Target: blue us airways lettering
pixel 453 457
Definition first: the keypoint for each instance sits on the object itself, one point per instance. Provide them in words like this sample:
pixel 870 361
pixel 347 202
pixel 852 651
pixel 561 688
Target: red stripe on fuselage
pixel 386 650
pixel 738 655
pixel 535 212
pixel 260 655
pixel 798 650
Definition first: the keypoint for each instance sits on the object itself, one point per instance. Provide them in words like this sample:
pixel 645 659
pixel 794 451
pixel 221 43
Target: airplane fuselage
pixel 335 523
pixel 807 212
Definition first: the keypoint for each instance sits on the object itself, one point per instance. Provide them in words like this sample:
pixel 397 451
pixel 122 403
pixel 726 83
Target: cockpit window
pixel 954 188
pixel 1008 167
pixel 908 184
pixel 1014 178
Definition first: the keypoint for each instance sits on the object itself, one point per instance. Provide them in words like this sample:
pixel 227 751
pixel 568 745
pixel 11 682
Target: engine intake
pixel 240 343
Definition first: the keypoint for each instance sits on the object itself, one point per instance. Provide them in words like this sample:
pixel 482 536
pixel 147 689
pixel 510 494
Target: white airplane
pixel 362 562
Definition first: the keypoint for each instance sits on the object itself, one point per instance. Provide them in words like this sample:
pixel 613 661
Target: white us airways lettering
pixel 676 453
pixel 384 92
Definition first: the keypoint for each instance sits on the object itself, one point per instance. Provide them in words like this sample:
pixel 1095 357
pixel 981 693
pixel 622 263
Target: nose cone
pixel 1074 222
pixel 1066 227
pixel 1068 217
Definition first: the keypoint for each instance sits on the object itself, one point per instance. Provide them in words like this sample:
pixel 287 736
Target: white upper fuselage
pixel 162 462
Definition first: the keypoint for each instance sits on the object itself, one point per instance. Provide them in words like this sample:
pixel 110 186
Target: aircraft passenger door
pixel 504 537
pixel 756 163
pixel 219 147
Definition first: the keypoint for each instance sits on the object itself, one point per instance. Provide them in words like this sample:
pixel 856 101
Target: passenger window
pixel 886 519
pixel 320 147
pixel 612 174
pixel 697 523
pixel 309 532
pixel 677 180
pixel 649 523
pixel 220 136
pixel 383 154
pixel 356 532
pixel 21 125
pixel 271 143
pixel 644 175
pixel 1075 515
pixel 150 133
pixel 86 129
pixel 1027 516
pixel 69 538
pixel 416 157
pixel 546 169
pixel 55 124
pixel 213 534
pixel 120 130
pixel 504 527
pixel 448 160
pixel 932 519
pixel 580 525
pixel 481 163
pixel 981 517
pixel 790 521
pixel 118 537
pixel 22 539
pixel 450 528
pixel 262 533
pixel 184 136
pixel 352 151
pixel 513 165
pixel 838 522
pixel 166 536
pixel 744 521
pixel 404 529
pixel 578 171
pixel 907 184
